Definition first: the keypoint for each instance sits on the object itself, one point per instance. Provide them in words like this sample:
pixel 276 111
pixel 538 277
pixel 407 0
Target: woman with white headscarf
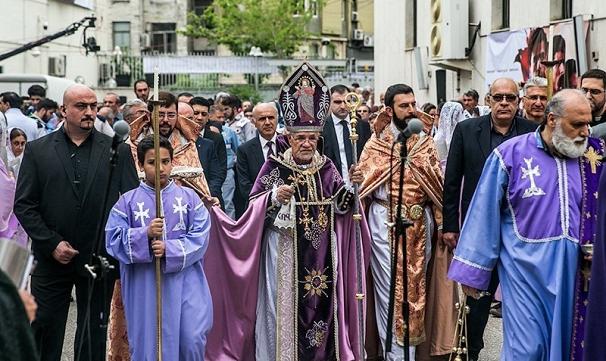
pixel 9 226
pixel 450 115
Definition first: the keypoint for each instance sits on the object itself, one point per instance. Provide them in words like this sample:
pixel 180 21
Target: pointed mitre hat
pixel 305 100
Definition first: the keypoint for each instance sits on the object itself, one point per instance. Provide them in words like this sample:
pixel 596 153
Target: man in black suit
pixel 337 145
pixel 59 202
pixel 472 142
pixel 201 108
pixel 252 154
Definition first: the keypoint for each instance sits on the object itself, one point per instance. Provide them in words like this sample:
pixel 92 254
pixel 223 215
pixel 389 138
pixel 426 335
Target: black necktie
pixel 347 143
pixel 270 150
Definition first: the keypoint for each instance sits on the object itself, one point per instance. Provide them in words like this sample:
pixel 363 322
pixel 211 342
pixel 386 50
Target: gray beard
pixel 566 146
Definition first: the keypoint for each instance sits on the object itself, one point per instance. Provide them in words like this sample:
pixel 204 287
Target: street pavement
pixel 493 338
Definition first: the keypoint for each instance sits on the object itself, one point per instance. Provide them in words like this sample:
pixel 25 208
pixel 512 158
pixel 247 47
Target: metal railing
pixel 201 72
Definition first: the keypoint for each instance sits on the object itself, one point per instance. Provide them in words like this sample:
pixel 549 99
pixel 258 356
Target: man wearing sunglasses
pixel 535 99
pixel 472 142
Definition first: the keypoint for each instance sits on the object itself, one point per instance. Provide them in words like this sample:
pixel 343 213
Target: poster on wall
pixel 521 54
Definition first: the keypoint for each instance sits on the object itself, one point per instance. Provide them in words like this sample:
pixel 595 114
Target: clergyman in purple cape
pixel 283 278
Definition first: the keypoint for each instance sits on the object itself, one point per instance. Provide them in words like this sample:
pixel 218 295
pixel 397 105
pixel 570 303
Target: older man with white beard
pixel 535 205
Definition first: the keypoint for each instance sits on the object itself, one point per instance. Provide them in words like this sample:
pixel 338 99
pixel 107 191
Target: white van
pixel 19 83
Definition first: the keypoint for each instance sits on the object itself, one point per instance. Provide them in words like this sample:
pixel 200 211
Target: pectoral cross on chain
pixel 181 209
pixel 594 159
pixel 141 213
pixel 530 173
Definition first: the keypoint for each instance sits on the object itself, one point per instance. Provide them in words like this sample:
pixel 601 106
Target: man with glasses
pixel 290 291
pixel 472 142
pixel 180 131
pixel 593 83
pixel 535 99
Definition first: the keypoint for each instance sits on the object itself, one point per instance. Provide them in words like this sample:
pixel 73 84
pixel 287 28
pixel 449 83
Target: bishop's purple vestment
pixel 595 345
pixel 187 306
pixel 283 278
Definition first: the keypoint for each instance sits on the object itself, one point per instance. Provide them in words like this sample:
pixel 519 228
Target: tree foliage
pixel 275 26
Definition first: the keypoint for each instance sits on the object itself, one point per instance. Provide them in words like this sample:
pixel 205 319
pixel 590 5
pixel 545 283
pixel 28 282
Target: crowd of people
pixel 262 255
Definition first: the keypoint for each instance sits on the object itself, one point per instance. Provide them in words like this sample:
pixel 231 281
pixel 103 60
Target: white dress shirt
pixel 341 141
pixel 16 119
pixel 264 146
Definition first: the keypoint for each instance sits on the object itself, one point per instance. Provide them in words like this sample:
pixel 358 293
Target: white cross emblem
pixel 181 209
pixel 530 173
pixel 141 213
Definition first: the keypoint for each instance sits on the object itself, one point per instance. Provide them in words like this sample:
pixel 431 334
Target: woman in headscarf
pixel 450 115
pixel 17 141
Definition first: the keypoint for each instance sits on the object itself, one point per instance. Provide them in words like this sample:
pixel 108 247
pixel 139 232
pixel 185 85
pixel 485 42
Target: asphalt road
pixel 493 338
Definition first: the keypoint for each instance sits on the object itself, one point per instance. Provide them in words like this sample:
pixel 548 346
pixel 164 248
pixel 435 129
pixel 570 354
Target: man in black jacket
pixel 201 108
pixel 472 142
pixel 252 154
pixel 59 202
pixel 337 129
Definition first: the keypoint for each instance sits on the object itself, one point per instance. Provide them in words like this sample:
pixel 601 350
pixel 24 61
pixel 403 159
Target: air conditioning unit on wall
pixel 358 34
pixel 449 29
pixel 145 41
pixel 56 66
pixel 369 41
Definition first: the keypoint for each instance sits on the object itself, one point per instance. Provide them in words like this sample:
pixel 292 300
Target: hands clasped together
pixel 155 231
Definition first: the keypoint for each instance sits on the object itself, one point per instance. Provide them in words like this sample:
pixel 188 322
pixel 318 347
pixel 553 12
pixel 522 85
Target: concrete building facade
pixel 404 40
pixel 28 20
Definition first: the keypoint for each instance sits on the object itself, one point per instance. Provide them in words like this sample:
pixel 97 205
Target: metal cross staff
pixel 159 209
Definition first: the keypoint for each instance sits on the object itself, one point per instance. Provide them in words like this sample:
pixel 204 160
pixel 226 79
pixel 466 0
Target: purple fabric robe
pixel 591 169
pixel 538 263
pixel 9 225
pixel 594 345
pixel 232 266
pixel 186 307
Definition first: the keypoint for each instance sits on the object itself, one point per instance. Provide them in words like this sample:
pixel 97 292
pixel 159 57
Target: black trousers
pixel 52 293
pixel 477 318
